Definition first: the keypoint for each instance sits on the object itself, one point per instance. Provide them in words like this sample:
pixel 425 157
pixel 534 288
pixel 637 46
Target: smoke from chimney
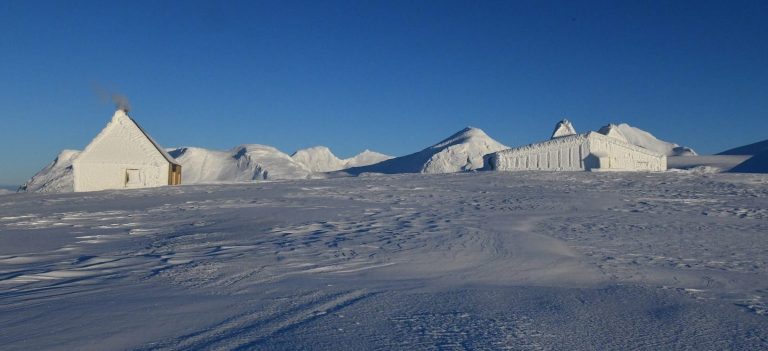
pixel 121 102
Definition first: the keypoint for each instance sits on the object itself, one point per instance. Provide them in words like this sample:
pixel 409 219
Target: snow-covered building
pixel 123 156
pixel 605 150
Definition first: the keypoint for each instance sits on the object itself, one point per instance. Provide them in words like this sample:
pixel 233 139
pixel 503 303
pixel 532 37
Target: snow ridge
pixel 56 177
pixel 639 137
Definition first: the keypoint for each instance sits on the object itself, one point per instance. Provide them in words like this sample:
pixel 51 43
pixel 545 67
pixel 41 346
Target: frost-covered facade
pixel 124 156
pixel 606 150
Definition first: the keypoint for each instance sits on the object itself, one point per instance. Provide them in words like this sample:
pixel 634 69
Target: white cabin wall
pixel 102 176
pixel 624 156
pixel 561 154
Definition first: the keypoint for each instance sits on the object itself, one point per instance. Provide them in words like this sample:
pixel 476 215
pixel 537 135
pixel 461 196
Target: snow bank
pixel 639 137
pixel 57 177
pixel 750 149
pixel 459 152
pixel 321 159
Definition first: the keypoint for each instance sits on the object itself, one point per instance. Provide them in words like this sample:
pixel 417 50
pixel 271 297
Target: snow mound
pixel 639 137
pixel 462 151
pixel 243 163
pixel 563 128
pixel 751 149
pixel 613 131
pixel 57 177
pixel 321 159
pixel 755 164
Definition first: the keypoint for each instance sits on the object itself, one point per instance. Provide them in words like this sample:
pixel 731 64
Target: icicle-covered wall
pixel 591 151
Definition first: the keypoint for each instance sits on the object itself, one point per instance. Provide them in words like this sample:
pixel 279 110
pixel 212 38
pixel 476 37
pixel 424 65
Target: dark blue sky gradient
pixel 390 76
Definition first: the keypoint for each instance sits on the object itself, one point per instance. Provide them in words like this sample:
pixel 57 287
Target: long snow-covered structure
pixel 123 156
pixel 605 150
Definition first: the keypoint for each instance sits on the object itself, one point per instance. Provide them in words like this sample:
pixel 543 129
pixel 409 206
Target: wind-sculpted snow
pixel 528 260
pixel 57 177
pixel 639 137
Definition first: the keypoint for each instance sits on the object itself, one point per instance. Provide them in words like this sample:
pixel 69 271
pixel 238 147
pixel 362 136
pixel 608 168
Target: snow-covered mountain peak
pixel 465 135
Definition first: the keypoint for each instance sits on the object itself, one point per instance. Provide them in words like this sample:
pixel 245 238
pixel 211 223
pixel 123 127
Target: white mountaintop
pixel 639 137
pixel 56 177
pixel 459 152
pixel 563 128
pixel 321 159
pixel 243 163
pixel 365 158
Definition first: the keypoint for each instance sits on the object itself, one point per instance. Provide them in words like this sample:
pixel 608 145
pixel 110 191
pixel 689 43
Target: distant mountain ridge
pixel 749 149
pixel 321 159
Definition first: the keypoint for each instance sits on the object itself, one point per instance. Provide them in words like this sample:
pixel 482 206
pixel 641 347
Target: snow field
pixel 529 260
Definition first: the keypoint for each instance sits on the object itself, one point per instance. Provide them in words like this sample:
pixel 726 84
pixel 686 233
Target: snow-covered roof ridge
pixel 122 114
pixel 563 128
pixel 613 131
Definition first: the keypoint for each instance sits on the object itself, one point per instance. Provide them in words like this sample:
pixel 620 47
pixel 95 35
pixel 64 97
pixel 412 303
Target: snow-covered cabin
pixel 604 150
pixel 124 156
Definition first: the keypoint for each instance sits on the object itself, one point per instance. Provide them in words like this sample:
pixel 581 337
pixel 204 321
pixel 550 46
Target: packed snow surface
pixel 644 139
pixel 750 149
pixel 462 151
pixel 486 260
pixel 708 163
pixel 321 159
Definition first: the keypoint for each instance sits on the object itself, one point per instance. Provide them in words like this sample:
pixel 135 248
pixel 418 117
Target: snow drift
pixel 321 159
pixel 639 137
pixel 460 152
pixel 56 177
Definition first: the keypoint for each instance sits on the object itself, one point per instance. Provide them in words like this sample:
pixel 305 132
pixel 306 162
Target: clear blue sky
pixel 386 75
